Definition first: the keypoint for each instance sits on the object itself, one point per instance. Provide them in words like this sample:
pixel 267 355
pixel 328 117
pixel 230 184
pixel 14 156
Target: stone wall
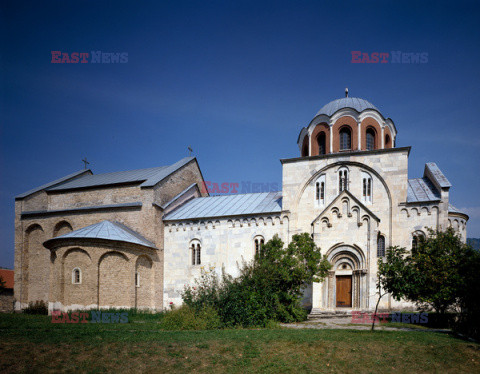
pixel 354 223
pixel 225 243
pixel 37 275
pixel 108 277
pixel 6 301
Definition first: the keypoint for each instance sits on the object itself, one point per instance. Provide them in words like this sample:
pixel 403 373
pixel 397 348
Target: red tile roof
pixel 7 276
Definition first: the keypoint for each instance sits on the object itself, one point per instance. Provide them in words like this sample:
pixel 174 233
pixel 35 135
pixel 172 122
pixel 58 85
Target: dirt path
pixel 346 323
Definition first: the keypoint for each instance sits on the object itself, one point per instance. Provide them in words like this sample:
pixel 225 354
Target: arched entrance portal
pixel 346 283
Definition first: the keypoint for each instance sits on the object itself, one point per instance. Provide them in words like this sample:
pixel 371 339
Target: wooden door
pixel 344 290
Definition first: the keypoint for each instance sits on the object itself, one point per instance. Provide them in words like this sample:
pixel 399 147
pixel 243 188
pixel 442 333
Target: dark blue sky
pixel 236 80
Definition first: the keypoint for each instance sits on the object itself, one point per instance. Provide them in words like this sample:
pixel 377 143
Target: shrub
pixel 268 289
pixel 37 307
pixel 187 318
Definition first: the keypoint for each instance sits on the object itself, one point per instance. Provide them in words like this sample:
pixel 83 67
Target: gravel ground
pixel 346 323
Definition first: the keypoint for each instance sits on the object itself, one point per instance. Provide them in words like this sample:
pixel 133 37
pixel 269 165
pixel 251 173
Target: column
pixel 309 144
pixel 331 290
pixel 359 136
pixel 316 295
pixel 331 138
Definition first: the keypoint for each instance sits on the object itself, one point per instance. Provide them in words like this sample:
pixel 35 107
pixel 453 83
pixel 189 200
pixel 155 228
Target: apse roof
pixel 105 230
pixel 452 209
pixel 228 205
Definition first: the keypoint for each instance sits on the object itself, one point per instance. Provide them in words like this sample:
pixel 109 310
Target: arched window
pixel 370 137
pixel 417 238
pixel 321 140
pixel 387 141
pixel 345 139
pixel 414 244
pixel 196 252
pixel 305 151
pixel 381 246
pixel 367 187
pixel 258 241
pixel 76 276
pixel 320 190
pixel 342 180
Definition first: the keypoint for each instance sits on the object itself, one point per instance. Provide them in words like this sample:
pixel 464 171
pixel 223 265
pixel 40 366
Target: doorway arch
pixel 346 282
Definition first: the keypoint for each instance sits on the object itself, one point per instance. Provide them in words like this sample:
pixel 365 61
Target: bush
pixel 187 318
pixel 37 307
pixel 268 289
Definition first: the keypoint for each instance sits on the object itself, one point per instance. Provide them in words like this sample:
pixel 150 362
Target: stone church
pixel 136 238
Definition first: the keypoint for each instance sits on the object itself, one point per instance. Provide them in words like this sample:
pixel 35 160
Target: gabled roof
pixel 150 182
pixel 8 277
pixel 105 230
pixel 421 190
pixel 54 183
pixel 228 205
pixel 427 189
pixel 350 195
pixel 148 177
pixel 118 177
pixel 193 186
pixel 433 172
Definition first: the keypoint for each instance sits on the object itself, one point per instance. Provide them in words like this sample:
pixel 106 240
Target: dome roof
pixel 347 102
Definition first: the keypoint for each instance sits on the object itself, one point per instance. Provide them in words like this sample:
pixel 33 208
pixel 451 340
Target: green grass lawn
pixel 34 344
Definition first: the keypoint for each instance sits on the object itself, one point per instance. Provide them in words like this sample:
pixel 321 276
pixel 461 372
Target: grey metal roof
pixel 347 102
pixel 150 182
pixel 54 183
pixel 149 177
pixel 106 230
pixel 434 171
pixel 136 204
pixel 167 204
pixel 228 205
pixel 452 209
pixel 421 190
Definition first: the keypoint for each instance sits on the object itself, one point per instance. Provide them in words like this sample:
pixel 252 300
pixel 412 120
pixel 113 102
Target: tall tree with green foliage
pixel 431 275
pixel 393 276
pixel 269 288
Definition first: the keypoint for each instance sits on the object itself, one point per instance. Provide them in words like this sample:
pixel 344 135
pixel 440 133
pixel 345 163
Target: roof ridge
pixel 132 170
pixel 237 194
pixel 52 183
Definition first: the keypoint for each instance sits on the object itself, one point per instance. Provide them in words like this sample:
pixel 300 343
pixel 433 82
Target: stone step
pixel 319 314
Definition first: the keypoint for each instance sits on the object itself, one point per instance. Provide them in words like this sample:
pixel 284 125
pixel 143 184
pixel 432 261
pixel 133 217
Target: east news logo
pixel 94 316
pixel 394 57
pixel 94 57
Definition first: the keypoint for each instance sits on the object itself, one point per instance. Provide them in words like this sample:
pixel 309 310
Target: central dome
pixel 347 102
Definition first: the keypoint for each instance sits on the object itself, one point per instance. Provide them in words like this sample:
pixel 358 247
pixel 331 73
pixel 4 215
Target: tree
pixel 432 275
pixel 393 276
pixel 268 288
pixel 438 261
pixel 293 267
